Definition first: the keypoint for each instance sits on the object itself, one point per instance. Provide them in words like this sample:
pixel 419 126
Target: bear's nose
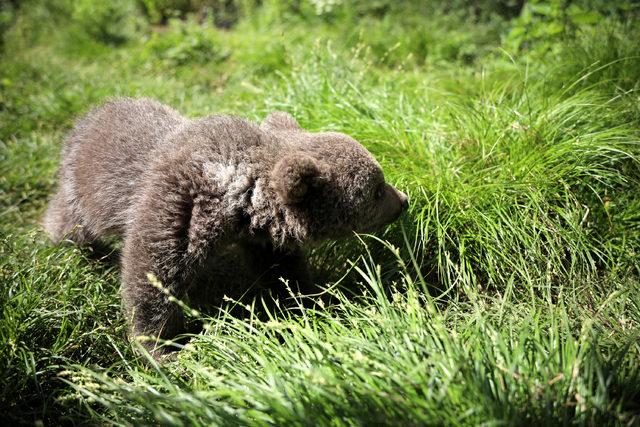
pixel 404 200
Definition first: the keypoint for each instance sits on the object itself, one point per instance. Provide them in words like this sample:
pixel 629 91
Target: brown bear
pixel 181 191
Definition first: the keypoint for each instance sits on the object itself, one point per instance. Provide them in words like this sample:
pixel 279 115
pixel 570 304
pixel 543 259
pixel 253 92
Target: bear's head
pixel 329 182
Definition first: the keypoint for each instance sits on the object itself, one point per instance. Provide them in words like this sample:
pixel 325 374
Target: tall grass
pixel 378 360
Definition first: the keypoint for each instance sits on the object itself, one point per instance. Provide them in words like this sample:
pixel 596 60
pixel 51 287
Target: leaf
pixel 546 29
pixel 586 18
pixel 542 9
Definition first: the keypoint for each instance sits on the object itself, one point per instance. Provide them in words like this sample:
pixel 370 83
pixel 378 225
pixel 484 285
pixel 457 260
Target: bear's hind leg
pixel 153 317
pixel 60 223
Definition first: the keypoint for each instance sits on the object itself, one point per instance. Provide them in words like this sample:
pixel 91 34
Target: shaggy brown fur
pixel 182 191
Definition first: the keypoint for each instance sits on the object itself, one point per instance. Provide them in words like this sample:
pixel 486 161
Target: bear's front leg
pixel 273 264
pixel 148 309
pixel 174 226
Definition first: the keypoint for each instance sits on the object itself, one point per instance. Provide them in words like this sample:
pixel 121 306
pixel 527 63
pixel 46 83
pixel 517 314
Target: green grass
pixel 509 293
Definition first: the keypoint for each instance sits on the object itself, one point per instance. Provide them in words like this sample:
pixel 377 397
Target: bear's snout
pixel 395 203
pixel 404 200
pixel 400 201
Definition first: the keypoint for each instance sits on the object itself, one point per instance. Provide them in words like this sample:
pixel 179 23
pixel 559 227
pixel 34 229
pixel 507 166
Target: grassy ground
pixel 510 293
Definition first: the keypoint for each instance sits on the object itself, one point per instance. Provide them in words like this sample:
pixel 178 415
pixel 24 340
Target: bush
pixel 224 13
pixel 158 11
pixel 544 23
pixel 186 42
pixel 111 22
pixel 7 15
pixel 411 42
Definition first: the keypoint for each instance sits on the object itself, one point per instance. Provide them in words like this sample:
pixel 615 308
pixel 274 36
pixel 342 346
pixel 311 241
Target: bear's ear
pixel 293 176
pixel 279 120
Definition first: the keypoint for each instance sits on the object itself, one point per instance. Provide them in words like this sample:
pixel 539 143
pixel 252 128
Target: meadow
pixel 509 293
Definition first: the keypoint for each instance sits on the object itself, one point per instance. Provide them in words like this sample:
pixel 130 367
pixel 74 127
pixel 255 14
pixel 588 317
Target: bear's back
pixel 107 153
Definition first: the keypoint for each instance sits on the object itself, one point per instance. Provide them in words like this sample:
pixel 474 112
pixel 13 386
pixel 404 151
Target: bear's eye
pixel 380 190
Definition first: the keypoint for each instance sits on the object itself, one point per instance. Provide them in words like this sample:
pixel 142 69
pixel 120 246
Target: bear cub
pixel 180 192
